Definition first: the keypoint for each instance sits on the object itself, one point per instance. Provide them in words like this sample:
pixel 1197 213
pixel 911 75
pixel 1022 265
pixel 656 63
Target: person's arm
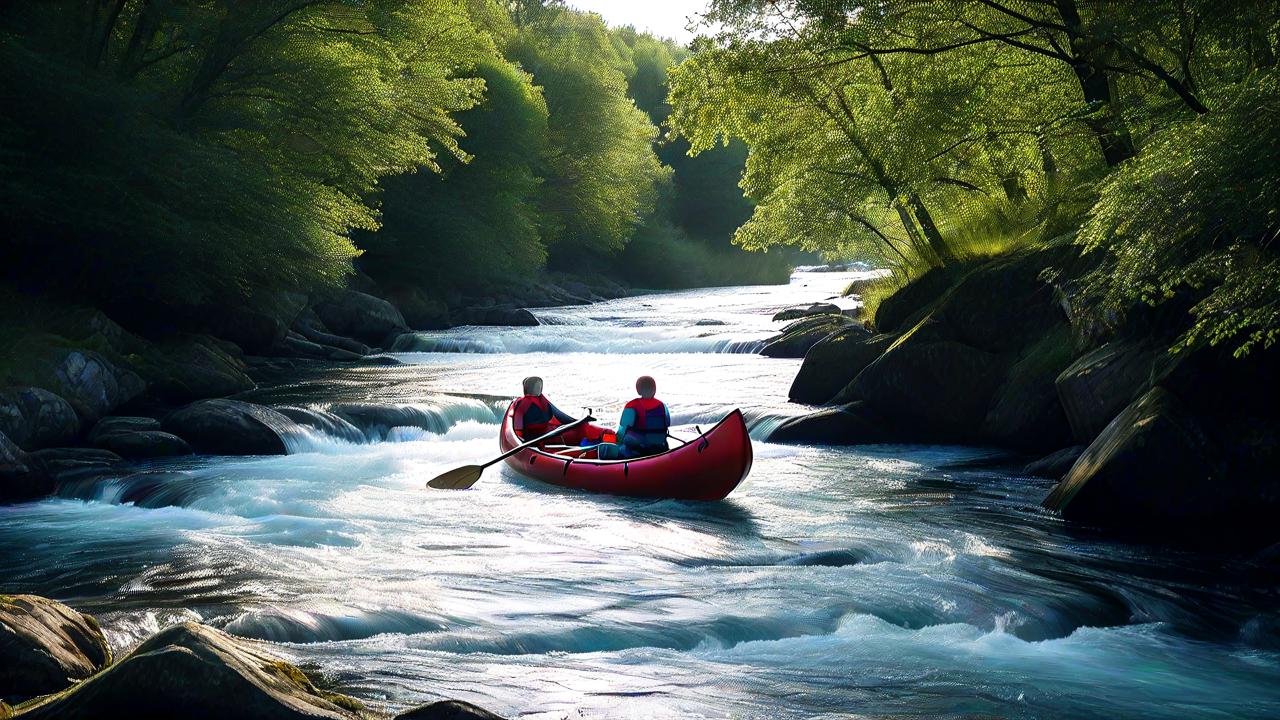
pixel 556 413
pixel 667 410
pixel 517 422
pixel 625 422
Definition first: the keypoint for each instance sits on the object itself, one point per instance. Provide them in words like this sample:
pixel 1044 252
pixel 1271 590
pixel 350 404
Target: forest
pixel 160 157
pixel 925 133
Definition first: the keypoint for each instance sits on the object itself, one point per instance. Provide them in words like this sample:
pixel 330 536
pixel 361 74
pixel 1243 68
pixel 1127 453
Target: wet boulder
pixel 447 710
pixel 849 424
pixel 905 307
pixel 940 389
pixel 35 418
pixel 114 424
pixel 143 444
pixel 312 328
pixel 298 346
pixel 194 671
pixel 834 361
pixel 195 367
pixel 1101 383
pixel 230 427
pixel 496 316
pixel 1055 464
pixel 1026 412
pixel 1151 467
pixel 93 385
pixel 799 336
pixel 22 476
pixel 362 316
pixel 803 311
pixel 72 463
pixel 45 647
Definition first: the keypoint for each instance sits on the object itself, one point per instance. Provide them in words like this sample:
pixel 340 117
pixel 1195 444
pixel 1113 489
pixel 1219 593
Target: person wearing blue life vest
pixel 642 430
pixel 534 414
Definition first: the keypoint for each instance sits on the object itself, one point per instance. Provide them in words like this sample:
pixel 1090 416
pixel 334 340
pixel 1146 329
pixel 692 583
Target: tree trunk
pixel 937 245
pixel 1096 86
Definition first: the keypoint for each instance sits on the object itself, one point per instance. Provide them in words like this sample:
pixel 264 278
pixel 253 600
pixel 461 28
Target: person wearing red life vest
pixel 534 415
pixel 643 428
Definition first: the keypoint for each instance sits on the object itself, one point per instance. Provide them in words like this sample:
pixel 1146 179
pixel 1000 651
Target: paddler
pixel 643 426
pixel 534 414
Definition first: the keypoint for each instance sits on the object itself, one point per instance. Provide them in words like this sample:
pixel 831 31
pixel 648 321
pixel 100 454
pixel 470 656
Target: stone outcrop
pixel 195 367
pixel 1102 382
pixel 35 418
pixel 803 311
pixel 143 444
pixel 45 647
pixel 92 384
pixel 230 427
pixel 834 361
pixel 1153 466
pixel 798 337
pixel 196 672
pixel 1055 464
pixel 365 317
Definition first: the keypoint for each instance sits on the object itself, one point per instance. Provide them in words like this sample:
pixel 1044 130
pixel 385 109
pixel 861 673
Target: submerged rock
pixel 230 427
pixel 35 418
pixel 834 361
pixel 365 317
pixel 1153 466
pixel 849 424
pixel 324 421
pixel 193 671
pixel 45 647
pixel 1055 464
pixel 447 710
pixel 798 337
pixel 795 313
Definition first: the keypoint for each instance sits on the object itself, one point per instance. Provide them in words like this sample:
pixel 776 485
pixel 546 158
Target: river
pixel 883 580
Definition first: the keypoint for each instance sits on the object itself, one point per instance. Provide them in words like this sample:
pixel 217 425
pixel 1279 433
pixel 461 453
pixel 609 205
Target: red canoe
pixel 709 467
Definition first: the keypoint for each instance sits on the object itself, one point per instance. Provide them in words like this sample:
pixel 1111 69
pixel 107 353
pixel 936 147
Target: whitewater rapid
pixel 887 580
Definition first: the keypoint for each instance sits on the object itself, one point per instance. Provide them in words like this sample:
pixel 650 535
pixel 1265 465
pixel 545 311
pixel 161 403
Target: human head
pixel 646 386
pixel 533 385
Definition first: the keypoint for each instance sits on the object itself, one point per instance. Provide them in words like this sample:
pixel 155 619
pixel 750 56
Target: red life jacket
pixel 651 415
pixel 535 413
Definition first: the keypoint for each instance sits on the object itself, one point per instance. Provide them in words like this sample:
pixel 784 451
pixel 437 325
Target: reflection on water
pixel 884 580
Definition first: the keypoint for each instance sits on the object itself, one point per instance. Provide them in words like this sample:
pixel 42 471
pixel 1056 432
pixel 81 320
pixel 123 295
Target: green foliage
pixel 196 152
pixel 478 219
pixel 601 172
pixel 1198 211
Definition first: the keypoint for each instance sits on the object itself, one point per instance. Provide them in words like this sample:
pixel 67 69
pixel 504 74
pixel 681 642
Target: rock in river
pixel 358 315
pixel 35 418
pixel 1152 467
pixel 799 336
pixel 230 427
pixel 141 444
pixel 46 646
pixel 802 311
pixel 195 672
pixel 834 361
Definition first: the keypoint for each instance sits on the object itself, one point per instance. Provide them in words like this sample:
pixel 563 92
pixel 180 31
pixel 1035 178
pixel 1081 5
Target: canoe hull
pixel 707 468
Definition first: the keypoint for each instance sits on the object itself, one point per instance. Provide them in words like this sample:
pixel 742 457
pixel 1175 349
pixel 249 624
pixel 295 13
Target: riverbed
pixel 835 582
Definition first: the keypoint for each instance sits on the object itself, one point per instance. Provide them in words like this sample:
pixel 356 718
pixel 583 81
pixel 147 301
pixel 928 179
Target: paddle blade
pixel 457 479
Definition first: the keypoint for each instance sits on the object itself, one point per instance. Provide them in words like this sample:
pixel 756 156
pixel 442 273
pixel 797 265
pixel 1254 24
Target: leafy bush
pixel 1198 212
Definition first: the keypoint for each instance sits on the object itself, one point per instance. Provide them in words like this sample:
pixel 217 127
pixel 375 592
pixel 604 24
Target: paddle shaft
pixel 558 431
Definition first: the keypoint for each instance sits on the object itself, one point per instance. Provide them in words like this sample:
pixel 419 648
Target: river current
pixel 911 581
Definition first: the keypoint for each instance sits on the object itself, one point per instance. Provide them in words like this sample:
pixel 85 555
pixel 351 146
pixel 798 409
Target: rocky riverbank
pixel 80 393
pixel 55 663
pixel 1180 445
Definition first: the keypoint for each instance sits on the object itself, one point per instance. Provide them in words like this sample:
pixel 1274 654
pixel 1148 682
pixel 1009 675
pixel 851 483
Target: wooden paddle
pixel 467 475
